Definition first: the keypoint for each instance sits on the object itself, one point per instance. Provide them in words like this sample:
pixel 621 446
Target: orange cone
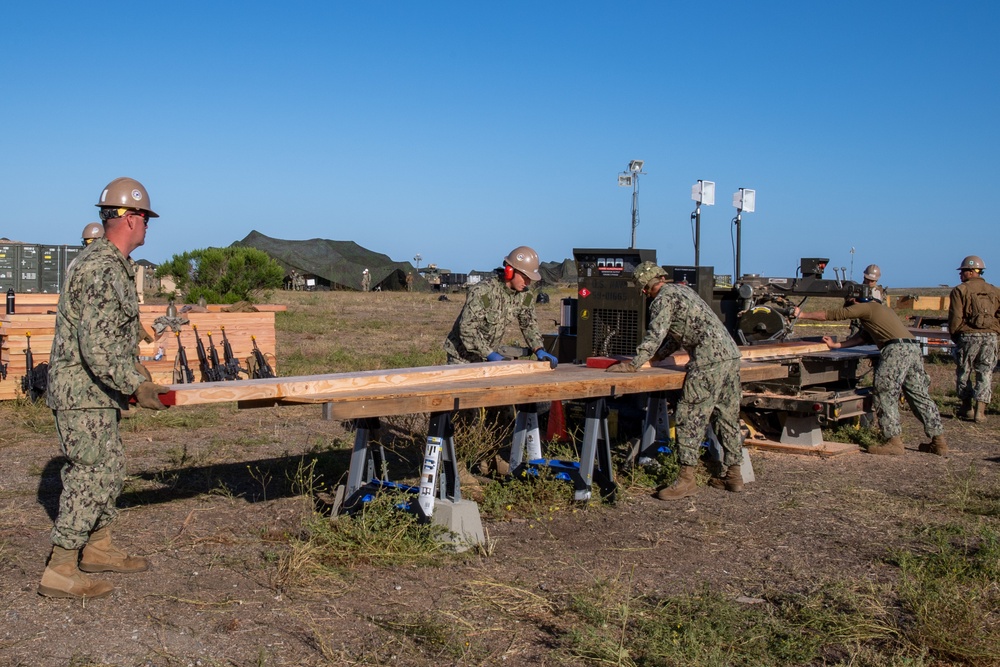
pixel 556 428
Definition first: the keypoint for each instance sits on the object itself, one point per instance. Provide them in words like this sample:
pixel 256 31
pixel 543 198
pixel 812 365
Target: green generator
pixel 610 312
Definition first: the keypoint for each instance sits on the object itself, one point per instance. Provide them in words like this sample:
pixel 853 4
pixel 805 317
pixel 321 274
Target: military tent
pixel 556 273
pixel 336 265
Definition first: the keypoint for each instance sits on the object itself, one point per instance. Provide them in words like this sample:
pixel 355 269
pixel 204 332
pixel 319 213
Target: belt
pixel 911 341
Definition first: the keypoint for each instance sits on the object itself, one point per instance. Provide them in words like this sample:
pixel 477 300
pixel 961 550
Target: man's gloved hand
pixel 148 395
pixel 622 367
pixel 494 356
pixel 144 372
pixel 542 355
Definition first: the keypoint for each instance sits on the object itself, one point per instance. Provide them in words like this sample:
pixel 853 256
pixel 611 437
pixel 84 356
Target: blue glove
pixel 542 355
pixel 494 356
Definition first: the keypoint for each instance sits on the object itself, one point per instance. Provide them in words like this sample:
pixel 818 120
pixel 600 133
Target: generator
pixel 609 317
pixel 610 313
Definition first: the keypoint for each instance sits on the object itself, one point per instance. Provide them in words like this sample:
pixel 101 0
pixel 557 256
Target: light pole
pixel 702 192
pixel 417 258
pixel 631 177
pixel 743 200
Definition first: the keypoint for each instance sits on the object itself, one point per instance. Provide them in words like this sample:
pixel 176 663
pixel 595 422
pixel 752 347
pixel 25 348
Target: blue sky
pixel 459 130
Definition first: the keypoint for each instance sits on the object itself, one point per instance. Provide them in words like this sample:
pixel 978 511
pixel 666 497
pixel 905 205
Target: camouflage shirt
pixel 92 363
pixel 489 308
pixel 679 318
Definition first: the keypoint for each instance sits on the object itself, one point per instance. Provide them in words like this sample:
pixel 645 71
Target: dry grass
pixel 332 332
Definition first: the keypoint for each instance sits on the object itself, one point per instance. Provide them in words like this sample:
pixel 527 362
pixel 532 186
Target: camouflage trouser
pixel 711 395
pixel 901 371
pixel 975 359
pixel 93 475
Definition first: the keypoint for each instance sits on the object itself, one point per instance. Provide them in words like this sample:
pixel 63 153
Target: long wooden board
pixel 764 352
pixel 338 384
pixel 435 389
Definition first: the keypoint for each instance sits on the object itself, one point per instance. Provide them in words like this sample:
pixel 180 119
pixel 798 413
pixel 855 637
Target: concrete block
pixel 801 431
pixel 462 519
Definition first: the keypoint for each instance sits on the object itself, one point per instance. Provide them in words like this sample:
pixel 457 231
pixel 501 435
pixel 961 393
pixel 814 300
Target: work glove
pixel 542 355
pixel 622 367
pixel 148 395
pixel 144 372
pixel 494 356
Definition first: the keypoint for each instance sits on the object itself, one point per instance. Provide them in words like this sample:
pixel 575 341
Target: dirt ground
pixel 211 506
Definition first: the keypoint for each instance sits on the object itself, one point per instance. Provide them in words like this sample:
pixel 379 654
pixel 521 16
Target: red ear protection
pixel 508 272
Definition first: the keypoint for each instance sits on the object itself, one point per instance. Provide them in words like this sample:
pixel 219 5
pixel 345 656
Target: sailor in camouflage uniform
pixel 972 321
pixel 899 372
pixel 679 318
pixel 491 306
pixel 92 374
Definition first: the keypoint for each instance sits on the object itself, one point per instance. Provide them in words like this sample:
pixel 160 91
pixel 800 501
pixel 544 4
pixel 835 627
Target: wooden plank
pixel 825 450
pixel 343 383
pixel 161 309
pixel 441 388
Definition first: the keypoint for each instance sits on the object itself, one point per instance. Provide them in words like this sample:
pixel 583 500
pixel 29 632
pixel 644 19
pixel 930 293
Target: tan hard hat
pixel 872 272
pixel 126 193
pixel 94 230
pixel 972 262
pixel 525 260
pixel 646 273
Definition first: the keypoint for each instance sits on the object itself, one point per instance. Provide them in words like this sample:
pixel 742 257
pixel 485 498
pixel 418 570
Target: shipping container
pixel 70 253
pixel 26 277
pixel 50 270
pixel 8 267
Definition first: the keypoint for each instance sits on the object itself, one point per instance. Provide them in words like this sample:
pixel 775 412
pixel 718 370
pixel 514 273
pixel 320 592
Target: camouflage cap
pixel 645 273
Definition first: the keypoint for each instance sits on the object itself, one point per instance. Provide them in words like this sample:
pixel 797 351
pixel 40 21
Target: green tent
pixel 336 265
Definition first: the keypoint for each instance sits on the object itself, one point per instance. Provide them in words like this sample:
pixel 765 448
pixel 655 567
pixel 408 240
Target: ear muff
pixel 508 272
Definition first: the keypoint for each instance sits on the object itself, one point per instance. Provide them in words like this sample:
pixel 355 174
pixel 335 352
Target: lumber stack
pixel 41 304
pixel 14 330
pixel 922 302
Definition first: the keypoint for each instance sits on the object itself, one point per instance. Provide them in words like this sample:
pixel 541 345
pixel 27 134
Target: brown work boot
pixel 100 555
pixel 682 487
pixel 966 411
pixel 62 578
pixel 894 447
pixel 938 445
pixel 980 415
pixel 732 481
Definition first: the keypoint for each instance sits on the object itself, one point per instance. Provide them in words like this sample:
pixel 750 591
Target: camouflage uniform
pixel 679 318
pixel 975 340
pixel 900 370
pixel 489 308
pixel 92 374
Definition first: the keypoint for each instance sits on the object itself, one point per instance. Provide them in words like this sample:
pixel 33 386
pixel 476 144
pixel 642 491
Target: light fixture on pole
pixel 744 199
pixel 631 177
pixel 417 258
pixel 702 192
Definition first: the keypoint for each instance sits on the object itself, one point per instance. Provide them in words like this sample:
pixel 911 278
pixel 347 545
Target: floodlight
pixel 703 192
pixel 625 180
pixel 745 200
pixel 635 165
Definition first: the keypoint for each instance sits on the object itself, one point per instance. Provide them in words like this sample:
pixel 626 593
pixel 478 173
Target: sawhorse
pixel 439 494
pixel 656 437
pixel 595 452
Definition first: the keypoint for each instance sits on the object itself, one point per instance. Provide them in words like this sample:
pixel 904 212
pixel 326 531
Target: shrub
pixel 223 275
